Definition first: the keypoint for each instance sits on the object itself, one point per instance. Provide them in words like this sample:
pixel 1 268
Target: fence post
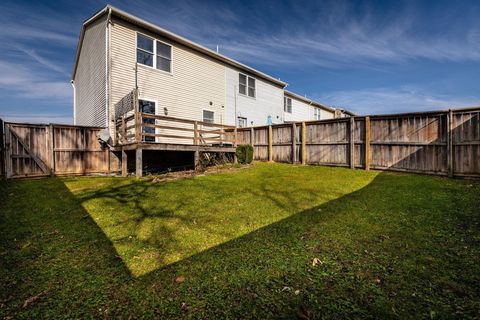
pixel 235 138
pixel 52 145
pixel 450 160
pixel 294 143
pixel 367 143
pixel 352 142
pixel 304 143
pixel 3 171
pixel 270 143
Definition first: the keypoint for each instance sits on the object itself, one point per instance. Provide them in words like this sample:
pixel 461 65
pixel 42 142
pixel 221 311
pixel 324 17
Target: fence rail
pixel 143 127
pixel 440 143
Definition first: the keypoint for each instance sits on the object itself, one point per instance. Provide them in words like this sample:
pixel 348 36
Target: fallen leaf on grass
pixel 33 299
pixel 316 262
pixel 179 279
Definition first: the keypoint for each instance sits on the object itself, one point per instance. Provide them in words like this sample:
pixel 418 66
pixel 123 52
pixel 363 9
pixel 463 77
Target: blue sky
pixel 370 57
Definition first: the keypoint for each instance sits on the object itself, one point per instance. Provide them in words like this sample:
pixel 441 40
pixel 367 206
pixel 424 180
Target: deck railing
pixel 143 127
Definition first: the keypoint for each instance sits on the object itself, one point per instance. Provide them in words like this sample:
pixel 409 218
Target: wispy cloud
pixel 332 34
pixel 393 100
pixel 17 79
pixel 44 61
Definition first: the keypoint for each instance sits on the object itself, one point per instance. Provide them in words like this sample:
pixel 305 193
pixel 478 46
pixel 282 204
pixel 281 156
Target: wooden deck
pixel 138 131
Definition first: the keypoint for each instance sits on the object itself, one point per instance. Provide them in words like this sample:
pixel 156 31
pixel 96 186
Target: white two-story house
pixel 176 77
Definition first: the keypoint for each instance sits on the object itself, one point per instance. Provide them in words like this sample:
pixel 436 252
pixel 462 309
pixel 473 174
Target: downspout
pixel 235 97
pixel 72 82
pixel 107 71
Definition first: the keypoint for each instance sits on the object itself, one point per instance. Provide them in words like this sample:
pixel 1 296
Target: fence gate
pixel 26 150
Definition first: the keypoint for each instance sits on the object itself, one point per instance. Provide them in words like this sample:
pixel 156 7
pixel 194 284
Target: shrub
pixel 244 153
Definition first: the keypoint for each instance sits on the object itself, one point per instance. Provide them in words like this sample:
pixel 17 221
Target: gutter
pixel 181 40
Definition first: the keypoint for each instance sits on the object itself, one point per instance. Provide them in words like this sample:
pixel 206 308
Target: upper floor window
pixel 287 105
pixel 208 116
pixel 317 114
pixel 154 53
pixel 246 85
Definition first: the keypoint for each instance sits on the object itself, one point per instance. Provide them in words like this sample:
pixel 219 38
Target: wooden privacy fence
pixel 440 143
pixel 33 150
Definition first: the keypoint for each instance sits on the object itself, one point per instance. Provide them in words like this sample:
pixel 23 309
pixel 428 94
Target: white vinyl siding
pixel 196 83
pixel 304 111
pixel 268 100
pixel 90 77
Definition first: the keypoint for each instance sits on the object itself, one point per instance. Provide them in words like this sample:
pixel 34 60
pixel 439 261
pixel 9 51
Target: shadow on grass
pixel 402 245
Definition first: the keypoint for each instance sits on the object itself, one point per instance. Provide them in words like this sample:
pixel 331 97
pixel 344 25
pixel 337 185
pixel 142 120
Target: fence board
pixel 416 142
pixel 39 150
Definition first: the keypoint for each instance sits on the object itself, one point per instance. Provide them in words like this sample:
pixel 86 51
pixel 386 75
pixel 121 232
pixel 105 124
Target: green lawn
pixel 269 241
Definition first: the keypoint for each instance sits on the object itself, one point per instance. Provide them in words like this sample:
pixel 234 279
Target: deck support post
pixel 367 143
pixel 270 144
pixel 304 143
pixel 138 162
pixel 196 160
pixel 124 163
pixel 352 142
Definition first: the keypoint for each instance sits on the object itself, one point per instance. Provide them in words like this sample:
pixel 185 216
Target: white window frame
pixel 285 104
pixel 155 40
pixel 317 113
pixel 247 77
pixel 243 118
pixel 203 115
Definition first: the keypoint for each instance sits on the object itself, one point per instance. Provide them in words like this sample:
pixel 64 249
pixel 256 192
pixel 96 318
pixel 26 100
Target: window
pixel 147 107
pixel 208 116
pixel 316 113
pixel 287 105
pixel 154 53
pixel 145 50
pixel 242 84
pixel 164 57
pixel 246 85
pixel 242 122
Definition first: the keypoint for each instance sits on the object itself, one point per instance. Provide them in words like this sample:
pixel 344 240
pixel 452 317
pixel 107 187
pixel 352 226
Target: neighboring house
pixel 298 108
pixel 118 52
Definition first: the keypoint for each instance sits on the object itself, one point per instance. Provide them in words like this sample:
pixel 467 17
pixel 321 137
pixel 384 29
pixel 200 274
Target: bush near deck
pixel 270 241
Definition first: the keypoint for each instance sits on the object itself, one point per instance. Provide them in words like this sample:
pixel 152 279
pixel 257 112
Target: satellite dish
pixel 104 136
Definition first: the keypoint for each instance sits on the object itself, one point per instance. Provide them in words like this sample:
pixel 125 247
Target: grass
pixel 270 241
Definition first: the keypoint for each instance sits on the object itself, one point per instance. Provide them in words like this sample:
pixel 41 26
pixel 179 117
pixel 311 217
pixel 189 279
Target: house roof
pixel 309 101
pixel 172 36
pixel 109 9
